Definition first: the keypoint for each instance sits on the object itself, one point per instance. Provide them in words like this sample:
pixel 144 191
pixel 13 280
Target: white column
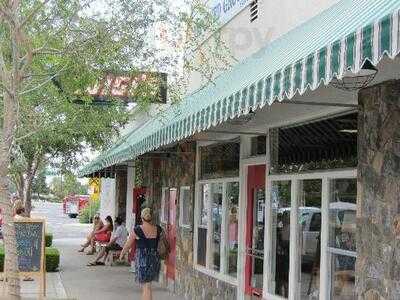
pixel 130 185
pixel 244 153
pixel 107 198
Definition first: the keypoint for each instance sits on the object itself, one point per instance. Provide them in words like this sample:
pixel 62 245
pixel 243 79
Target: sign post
pixel 30 238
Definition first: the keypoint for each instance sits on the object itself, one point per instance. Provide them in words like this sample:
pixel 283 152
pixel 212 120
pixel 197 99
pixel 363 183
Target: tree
pixel 39 185
pixel 67 185
pixel 51 52
pixel 49 41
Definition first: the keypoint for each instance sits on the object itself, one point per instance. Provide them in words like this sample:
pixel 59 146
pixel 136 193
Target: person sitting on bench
pixel 102 236
pixel 116 243
pixel 97 225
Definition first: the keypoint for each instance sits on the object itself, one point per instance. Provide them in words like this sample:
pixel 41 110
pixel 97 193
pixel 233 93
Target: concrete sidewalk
pixel 30 289
pixel 100 282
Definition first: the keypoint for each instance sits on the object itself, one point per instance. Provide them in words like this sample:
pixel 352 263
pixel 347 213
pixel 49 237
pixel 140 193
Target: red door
pixel 171 233
pixel 255 230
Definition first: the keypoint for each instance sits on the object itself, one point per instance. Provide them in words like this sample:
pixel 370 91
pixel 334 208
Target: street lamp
pixel 355 81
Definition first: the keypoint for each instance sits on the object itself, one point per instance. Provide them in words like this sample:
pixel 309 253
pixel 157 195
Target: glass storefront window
pixel 216 211
pixel 343 277
pixel 342 238
pixel 281 205
pixel 258 239
pixel 342 214
pixel 219 161
pixel 309 213
pixel 232 198
pixel 204 199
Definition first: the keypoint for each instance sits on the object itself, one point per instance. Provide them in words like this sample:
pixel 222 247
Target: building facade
pixel 281 179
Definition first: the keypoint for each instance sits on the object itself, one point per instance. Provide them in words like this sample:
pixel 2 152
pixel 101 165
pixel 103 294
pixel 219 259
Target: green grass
pixel 52 259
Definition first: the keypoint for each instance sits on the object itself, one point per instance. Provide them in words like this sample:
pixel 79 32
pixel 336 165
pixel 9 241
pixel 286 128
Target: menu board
pixel 30 245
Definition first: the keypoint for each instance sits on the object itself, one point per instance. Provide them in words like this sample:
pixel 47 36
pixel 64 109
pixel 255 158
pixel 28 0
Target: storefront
pixel 262 197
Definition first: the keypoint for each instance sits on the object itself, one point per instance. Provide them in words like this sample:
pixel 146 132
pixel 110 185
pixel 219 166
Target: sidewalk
pixel 100 282
pixel 30 289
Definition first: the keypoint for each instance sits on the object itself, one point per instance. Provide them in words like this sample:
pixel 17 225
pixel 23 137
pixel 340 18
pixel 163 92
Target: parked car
pixel 73 204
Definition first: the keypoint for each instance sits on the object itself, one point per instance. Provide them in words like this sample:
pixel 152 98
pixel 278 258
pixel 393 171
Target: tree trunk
pixel 10 247
pixel 32 168
pixel 28 194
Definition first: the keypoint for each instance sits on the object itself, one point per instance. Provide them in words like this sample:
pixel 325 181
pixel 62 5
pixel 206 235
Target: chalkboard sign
pixel 30 245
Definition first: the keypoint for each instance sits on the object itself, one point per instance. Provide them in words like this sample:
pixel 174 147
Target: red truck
pixel 73 204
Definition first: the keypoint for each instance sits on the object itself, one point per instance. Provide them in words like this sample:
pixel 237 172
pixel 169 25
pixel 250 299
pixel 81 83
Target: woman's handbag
pixel 163 247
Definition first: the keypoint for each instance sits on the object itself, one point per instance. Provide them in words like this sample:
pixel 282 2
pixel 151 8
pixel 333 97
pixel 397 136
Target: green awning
pixel 339 39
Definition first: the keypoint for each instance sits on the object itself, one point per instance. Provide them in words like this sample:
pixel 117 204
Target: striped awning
pixel 338 40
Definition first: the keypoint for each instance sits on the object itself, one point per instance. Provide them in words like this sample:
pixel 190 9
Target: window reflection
pixel 310 237
pixel 342 227
pixel 343 278
pixel 281 236
pixel 342 214
pixel 216 211
pixel 232 198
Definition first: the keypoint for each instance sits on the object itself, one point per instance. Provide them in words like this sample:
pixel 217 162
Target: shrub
pixel 48 239
pixel 86 214
pixel 52 259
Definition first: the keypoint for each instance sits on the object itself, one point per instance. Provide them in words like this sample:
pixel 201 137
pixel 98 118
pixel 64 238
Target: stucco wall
pixel 378 228
pixel 107 198
pixel 275 18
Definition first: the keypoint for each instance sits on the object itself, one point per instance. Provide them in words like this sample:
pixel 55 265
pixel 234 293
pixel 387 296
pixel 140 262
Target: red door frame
pixel 170 262
pixel 255 180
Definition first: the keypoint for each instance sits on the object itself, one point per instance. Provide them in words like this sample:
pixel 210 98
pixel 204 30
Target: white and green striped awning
pixel 339 39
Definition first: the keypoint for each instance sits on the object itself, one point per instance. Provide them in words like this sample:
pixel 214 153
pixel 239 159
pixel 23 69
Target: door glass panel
pixel 309 236
pixel 343 278
pixel 342 214
pixel 342 236
pixel 216 214
pixel 280 203
pixel 232 198
pixel 257 250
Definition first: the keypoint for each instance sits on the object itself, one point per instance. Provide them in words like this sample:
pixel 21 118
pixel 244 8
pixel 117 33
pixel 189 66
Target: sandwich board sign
pixel 30 238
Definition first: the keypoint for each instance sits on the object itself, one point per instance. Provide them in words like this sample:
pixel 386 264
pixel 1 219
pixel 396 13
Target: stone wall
pixel 378 228
pixel 174 170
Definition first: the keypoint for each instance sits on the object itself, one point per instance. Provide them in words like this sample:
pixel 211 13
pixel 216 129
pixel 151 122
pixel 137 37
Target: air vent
pixel 253 10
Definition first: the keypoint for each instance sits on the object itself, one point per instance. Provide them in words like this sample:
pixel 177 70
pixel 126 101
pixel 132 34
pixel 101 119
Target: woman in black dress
pixel 147 259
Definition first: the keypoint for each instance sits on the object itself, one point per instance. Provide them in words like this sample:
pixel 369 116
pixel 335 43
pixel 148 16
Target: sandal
pixel 99 263
pixel 81 250
pixel 91 264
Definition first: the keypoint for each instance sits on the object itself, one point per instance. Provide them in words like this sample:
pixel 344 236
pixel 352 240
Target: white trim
pixel 223 277
pixel 330 174
pixel 181 207
pixel 162 216
pixel 196 206
pixel 324 281
pixel 339 251
pixel 254 160
pixel 244 151
pixel 219 180
pixel 295 258
pixel 294 261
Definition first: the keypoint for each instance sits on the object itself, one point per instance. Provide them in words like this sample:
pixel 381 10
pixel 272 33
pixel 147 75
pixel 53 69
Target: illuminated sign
pixel 130 87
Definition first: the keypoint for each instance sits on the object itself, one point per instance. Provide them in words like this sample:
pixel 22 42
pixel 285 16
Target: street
pixel 80 281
